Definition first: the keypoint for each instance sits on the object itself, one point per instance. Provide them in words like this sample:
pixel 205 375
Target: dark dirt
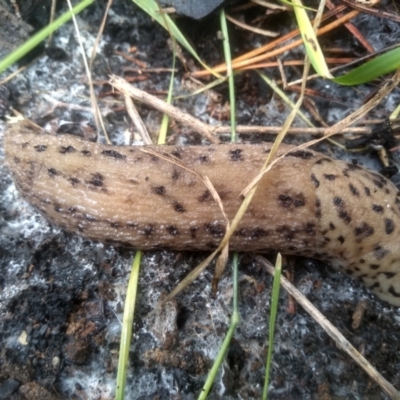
pixel 62 297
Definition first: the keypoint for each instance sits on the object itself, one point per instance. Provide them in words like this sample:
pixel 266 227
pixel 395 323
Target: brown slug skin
pixel 307 205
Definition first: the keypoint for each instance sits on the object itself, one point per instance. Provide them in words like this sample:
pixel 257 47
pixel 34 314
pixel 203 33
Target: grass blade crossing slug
pixel 308 204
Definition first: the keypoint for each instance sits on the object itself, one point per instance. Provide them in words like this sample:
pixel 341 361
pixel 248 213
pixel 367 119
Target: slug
pixel 307 205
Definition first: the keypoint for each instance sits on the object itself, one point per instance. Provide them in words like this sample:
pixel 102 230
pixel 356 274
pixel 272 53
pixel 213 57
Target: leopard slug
pixel 308 204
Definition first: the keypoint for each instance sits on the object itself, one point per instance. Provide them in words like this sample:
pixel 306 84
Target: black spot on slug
pixel 341 239
pixel 310 228
pixel 74 181
pixel 86 153
pixel 97 180
pixel 40 148
pixel 318 208
pixel 285 201
pixel 377 183
pixel 175 174
pixel 113 154
pixel 364 230
pixel 148 230
pixel 326 240
pixel 389 275
pixel 172 230
pixel 332 226
pixel 241 232
pixel 160 190
pixel 338 201
pixel 346 173
pixel 178 207
pixel 300 201
pixel 314 180
pixel 377 208
pixel 236 155
pixel 329 177
pixel 52 172
pixel 215 229
pixel 287 232
pixel 206 196
pixel 380 252
pixel 389 226
pixel 258 233
pixel 203 159
pixel 354 191
pixel 344 216
pixel 66 149
pixel 374 266
pixel 367 191
pixel 177 153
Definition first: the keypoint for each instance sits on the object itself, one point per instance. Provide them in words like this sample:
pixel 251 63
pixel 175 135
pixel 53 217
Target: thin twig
pixel 261 54
pixel 372 11
pixel 95 107
pixel 199 126
pixel 137 121
pixel 144 97
pixel 260 31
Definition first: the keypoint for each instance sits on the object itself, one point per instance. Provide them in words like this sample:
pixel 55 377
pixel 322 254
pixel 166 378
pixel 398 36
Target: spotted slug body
pixel 308 204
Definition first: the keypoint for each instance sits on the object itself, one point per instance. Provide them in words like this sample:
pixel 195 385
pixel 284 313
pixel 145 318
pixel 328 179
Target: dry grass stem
pixel 200 127
pixel 259 31
pixel 137 120
pixel 333 332
pixel 174 112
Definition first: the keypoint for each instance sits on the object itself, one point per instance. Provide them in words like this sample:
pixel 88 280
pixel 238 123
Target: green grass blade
pixel 381 65
pixel 272 319
pixel 162 137
pixel 42 35
pixel 235 313
pixel 229 72
pixel 310 40
pixel 225 344
pixel 126 331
